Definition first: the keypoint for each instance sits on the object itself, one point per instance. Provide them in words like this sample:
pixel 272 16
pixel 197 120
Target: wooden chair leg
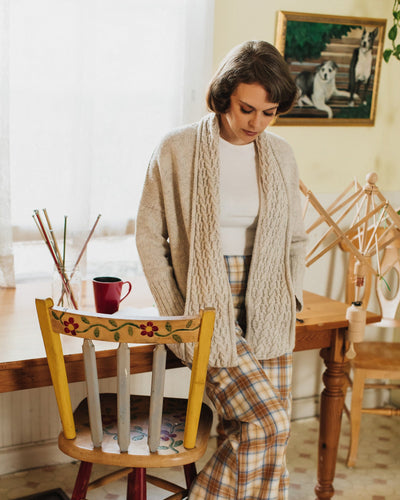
pixel 190 474
pixel 136 489
pixel 355 415
pixel 82 481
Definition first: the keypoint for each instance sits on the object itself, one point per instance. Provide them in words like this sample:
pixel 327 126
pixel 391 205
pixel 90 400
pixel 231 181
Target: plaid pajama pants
pixel 254 401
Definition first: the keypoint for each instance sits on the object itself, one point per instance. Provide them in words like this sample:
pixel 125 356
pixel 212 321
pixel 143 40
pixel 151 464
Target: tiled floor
pixel 375 477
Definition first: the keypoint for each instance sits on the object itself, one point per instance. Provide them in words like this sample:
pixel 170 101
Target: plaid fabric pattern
pixel 254 401
pixel 238 267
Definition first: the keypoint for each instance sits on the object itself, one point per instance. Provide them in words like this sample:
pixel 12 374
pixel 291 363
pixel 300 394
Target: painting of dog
pixel 335 62
pixel 317 88
pixel 360 70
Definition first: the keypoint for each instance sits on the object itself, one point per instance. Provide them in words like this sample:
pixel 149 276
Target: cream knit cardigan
pixel 178 240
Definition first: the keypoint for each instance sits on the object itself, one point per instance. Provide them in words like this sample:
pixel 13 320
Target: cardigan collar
pixel 207 284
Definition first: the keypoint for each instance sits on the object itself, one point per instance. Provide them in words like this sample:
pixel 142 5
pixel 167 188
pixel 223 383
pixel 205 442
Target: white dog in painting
pixel 361 66
pixel 315 89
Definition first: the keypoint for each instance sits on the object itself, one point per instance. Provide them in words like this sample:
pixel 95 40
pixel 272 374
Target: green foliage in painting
pixel 306 40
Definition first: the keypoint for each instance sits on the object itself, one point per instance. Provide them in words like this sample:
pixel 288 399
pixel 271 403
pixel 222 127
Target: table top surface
pixel 21 340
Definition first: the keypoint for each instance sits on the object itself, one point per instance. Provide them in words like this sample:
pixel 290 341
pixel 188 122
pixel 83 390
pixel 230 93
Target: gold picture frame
pixel 336 63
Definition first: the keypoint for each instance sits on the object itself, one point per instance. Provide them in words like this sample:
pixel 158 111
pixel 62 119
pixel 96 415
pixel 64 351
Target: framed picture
pixel 335 62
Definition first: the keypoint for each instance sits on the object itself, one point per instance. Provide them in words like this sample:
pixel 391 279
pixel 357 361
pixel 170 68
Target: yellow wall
pixel 330 156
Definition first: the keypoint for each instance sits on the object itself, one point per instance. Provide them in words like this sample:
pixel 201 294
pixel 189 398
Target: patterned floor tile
pixel 374 477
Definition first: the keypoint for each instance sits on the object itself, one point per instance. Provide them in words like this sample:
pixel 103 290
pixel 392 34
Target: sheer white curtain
pixel 6 254
pixel 93 86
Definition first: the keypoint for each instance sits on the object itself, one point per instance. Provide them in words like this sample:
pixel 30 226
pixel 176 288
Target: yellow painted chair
pixel 131 432
pixel 376 364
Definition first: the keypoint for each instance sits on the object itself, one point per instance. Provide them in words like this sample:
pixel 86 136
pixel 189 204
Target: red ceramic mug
pixel 107 293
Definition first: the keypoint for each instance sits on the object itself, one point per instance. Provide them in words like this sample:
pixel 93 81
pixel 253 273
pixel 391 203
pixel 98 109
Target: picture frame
pixel 336 63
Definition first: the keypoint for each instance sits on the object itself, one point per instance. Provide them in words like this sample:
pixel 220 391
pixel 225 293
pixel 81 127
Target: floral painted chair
pixel 131 432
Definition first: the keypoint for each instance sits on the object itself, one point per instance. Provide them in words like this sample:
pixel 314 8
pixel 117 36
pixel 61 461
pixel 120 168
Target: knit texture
pixel 178 240
pixel 269 299
pixel 208 283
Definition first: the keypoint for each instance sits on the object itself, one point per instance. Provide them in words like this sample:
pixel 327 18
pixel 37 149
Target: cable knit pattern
pixel 207 278
pixel 178 222
pixel 269 300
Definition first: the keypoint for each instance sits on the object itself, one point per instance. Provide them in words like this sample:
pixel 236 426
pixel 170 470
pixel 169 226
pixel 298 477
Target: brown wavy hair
pixel 252 62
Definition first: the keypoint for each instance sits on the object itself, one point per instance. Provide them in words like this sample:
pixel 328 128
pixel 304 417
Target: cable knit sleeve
pixel 152 241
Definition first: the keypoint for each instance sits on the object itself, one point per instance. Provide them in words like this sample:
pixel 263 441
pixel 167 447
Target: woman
pixel 219 224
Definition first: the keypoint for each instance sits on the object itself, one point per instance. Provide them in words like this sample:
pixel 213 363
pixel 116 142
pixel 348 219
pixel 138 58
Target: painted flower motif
pixel 148 329
pixel 166 436
pixel 70 326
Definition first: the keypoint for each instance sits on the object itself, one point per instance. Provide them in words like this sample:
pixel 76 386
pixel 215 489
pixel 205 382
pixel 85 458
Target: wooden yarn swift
pixel 362 222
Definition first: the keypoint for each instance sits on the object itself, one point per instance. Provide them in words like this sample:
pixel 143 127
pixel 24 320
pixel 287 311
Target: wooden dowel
pixel 323 237
pixel 179 496
pixel 303 188
pixel 85 245
pixel 81 253
pixel 163 483
pixel 45 234
pixel 113 476
pixel 357 215
pixel 381 386
pixel 389 262
pixel 332 210
pixel 388 412
pixel 343 215
pixel 38 226
pixel 364 220
pixel 382 237
pixel 60 259
pixel 47 239
pixel 324 251
pixel 392 212
pixel 373 235
pixel 65 239
pixel 56 262
pixel 336 228
pixel 368 215
pixel 307 202
pixel 56 248
pixel 344 192
pixel 382 247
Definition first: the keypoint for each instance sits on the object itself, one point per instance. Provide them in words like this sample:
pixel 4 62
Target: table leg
pixel 332 402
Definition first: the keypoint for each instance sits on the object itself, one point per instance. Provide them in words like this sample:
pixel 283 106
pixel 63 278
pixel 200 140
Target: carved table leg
pixel 332 402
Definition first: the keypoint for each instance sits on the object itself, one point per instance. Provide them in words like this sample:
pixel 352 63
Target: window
pixel 93 86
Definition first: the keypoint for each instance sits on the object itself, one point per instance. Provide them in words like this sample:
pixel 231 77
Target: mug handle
pixel 128 292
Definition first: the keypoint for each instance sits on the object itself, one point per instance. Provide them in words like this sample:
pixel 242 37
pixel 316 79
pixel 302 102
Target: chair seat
pixel 170 452
pixel 377 355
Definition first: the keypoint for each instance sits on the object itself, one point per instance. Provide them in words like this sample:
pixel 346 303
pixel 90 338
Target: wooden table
pixel 23 363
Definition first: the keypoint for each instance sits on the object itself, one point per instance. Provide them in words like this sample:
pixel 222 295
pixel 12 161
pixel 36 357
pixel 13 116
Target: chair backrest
pixel 125 329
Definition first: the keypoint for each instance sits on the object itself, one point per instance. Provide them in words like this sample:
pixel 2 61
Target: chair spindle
pixel 92 385
pixel 123 397
pixel 156 397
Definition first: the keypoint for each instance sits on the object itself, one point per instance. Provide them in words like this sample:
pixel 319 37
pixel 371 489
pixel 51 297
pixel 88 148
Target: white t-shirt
pixel 239 197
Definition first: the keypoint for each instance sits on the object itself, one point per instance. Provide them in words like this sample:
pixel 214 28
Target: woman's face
pixel 249 114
